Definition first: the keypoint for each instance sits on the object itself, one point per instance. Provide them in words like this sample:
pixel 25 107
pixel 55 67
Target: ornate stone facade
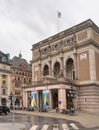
pixel 21 74
pixel 65 61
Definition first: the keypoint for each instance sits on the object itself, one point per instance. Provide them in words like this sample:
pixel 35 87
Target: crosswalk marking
pixel 45 127
pixel 55 127
pixel 65 127
pixel 33 127
pixel 74 126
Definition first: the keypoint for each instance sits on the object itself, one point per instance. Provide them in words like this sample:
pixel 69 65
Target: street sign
pixel 59 102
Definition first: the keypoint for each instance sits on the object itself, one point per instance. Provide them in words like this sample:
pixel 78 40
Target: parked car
pixel 4 109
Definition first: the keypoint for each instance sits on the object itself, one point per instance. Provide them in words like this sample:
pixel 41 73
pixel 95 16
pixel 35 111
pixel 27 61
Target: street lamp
pixel 72 94
pixel 12 98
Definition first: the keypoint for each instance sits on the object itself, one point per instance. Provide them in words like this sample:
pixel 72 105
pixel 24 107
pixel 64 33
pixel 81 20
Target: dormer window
pixel 4 59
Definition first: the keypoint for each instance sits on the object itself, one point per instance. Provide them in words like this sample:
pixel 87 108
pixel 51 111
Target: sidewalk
pixel 10 126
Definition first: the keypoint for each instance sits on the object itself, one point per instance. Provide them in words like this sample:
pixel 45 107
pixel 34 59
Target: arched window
pixel 70 73
pixel 57 69
pixel 46 70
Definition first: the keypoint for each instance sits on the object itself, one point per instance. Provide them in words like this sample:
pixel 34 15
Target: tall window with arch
pixel 46 70
pixel 57 69
pixel 70 72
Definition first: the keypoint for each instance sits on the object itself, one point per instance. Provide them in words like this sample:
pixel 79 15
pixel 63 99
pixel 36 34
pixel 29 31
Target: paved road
pixel 89 120
pixel 42 123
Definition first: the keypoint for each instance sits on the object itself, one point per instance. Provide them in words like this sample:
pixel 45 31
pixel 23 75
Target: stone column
pixel 40 73
pixel 50 99
pixel 40 99
pixel 62 98
pixel 74 39
pixel 25 99
pixel 64 71
pixel 8 90
pixel 75 64
pixel 37 100
pixel 62 65
pixel 92 65
pixel 50 70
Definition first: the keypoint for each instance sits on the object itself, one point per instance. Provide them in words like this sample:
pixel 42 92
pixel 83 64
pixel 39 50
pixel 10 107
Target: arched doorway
pixel 3 102
pixel 55 98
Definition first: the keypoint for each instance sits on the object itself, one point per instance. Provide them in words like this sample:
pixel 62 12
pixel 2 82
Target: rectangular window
pixel 73 75
pixel 4 92
pixel 3 76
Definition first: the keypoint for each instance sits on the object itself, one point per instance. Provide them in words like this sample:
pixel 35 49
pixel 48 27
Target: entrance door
pixel 17 103
pixel 55 99
pixel 3 102
pixel 40 99
pixel 69 100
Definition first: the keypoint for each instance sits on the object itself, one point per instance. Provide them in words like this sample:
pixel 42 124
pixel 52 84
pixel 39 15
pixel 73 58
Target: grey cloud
pixel 25 22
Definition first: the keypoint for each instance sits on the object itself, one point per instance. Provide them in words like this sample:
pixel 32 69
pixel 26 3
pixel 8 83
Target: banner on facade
pixel 45 98
pixel 34 99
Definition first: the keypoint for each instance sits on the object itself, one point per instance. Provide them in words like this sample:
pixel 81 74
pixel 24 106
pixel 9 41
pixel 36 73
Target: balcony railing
pixel 3 86
pixel 45 80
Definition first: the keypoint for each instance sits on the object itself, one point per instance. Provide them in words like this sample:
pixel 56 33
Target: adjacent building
pixel 21 73
pixel 64 63
pixel 5 78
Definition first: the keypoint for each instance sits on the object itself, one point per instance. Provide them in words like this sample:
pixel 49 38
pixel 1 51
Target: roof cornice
pixel 86 24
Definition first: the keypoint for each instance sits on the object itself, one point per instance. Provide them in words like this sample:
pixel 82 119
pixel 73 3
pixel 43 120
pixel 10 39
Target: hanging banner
pixel 45 98
pixel 34 99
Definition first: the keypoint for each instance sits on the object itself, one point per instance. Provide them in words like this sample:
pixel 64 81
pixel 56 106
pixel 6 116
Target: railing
pixel 3 86
pixel 48 80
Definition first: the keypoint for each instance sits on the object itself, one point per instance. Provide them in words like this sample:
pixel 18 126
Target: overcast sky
pixel 26 22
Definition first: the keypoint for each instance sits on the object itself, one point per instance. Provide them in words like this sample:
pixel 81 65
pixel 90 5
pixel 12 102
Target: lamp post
pixel 72 94
pixel 12 98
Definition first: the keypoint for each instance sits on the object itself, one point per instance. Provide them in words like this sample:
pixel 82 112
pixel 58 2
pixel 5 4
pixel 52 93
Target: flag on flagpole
pixel 58 20
pixel 59 14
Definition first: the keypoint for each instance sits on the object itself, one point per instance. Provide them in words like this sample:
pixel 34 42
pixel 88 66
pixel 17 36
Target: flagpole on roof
pixel 58 20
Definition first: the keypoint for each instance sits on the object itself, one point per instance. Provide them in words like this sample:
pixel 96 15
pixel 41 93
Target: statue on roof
pixel 20 55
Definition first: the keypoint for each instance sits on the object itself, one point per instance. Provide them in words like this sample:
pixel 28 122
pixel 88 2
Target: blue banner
pixel 45 99
pixel 34 99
